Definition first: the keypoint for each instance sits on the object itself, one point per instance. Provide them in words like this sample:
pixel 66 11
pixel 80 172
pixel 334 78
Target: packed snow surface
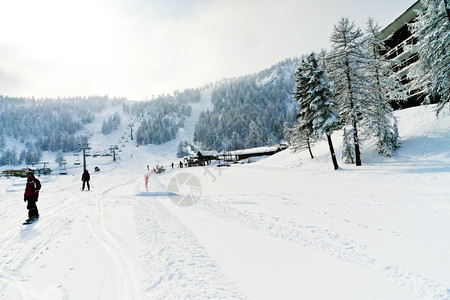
pixel 285 227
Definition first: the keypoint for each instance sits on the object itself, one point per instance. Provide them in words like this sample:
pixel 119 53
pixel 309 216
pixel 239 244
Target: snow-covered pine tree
pixel 318 114
pixel 271 140
pixel 432 72
pixel 303 134
pixel 301 139
pixel 2 141
pixel 322 55
pixel 346 63
pixel 182 149
pixel 116 120
pixel 235 141
pixel 59 158
pixel 254 138
pixel 383 88
pixel 348 152
pixel 9 157
pixel 105 127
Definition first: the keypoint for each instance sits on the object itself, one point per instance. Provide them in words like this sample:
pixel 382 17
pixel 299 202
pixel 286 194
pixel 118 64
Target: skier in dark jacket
pixel 31 195
pixel 85 178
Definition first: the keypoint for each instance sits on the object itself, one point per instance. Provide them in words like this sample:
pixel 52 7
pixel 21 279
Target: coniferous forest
pixel 262 108
pixel 162 117
pixel 250 111
pixel 45 125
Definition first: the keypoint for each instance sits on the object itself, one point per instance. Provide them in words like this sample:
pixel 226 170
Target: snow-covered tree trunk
pixel 332 153
pixel 302 140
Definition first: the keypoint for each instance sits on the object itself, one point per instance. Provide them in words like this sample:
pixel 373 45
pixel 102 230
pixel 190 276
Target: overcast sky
pixel 140 48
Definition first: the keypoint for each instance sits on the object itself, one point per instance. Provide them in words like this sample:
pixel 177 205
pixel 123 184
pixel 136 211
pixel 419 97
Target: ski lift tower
pixel 131 128
pixel 113 149
pixel 84 148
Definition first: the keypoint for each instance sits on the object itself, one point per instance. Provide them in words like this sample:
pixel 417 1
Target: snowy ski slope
pixel 285 227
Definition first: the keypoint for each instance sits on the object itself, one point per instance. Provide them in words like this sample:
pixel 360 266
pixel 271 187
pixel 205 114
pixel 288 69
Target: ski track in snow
pixel 321 239
pixel 126 281
pixel 174 256
pixel 56 221
pixel 256 213
pixel 26 244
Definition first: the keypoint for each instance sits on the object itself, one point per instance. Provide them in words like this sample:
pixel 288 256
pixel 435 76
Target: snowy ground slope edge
pixel 425 143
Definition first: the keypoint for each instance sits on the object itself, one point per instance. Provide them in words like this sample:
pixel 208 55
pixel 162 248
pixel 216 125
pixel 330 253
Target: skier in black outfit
pixel 85 178
pixel 31 195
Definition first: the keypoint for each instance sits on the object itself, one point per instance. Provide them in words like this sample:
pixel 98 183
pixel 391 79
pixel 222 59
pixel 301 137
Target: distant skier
pixel 146 177
pixel 85 178
pixel 31 195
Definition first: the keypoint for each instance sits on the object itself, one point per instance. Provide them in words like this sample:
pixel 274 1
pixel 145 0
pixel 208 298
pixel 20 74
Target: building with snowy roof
pixel 258 151
pixel 398 37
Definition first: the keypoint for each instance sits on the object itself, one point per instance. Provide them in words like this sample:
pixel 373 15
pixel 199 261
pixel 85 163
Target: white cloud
pixel 138 48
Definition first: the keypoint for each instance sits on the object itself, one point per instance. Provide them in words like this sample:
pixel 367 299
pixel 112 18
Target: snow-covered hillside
pixel 286 227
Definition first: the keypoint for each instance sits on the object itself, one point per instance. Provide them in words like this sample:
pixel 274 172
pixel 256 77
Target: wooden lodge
pixel 205 157
pixel 255 152
pixel 201 159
